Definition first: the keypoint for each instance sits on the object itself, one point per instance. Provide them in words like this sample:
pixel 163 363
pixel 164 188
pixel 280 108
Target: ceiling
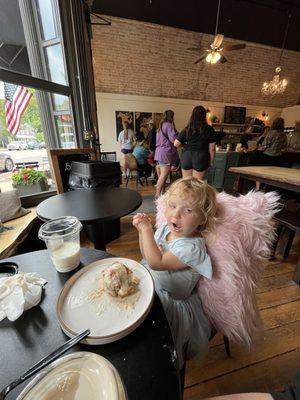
pixel 260 21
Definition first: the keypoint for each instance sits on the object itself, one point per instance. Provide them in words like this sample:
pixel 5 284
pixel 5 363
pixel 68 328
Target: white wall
pixel 109 103
pixel 291 115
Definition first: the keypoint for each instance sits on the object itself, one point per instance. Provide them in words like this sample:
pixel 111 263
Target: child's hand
pixel 141 222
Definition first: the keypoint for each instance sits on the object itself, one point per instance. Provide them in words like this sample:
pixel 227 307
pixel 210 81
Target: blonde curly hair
pixel 200 196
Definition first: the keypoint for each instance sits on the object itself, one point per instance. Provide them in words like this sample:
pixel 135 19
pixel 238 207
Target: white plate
pixel 108 318
pixel 80 375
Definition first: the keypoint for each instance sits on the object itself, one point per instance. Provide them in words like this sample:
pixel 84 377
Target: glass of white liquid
pixel 61 236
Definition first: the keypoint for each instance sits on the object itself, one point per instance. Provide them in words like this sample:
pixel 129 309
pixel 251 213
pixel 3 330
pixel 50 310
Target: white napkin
pixel 18 293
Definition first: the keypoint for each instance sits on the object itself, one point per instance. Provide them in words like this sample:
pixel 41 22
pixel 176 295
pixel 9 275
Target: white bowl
pixel 78 376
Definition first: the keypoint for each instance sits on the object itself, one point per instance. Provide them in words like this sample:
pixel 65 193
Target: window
pixel 39 51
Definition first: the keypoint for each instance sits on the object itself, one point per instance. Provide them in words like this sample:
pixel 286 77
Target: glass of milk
pixel 61 236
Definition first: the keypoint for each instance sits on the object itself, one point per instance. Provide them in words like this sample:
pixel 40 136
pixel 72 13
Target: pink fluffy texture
pixel 241 240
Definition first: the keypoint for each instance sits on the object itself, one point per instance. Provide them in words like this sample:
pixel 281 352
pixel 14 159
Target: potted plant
pixel 29 181
pixel 214 119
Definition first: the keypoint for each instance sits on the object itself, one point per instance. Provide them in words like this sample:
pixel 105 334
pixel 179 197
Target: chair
pixel 229 299
pixel 26 164
pixel 291 221
pixel 108 156
pixel 130 166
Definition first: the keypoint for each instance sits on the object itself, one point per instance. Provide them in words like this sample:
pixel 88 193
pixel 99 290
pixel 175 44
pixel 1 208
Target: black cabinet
pixel 218 175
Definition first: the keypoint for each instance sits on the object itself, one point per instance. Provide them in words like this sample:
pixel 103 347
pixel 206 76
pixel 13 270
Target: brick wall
pixel 132 57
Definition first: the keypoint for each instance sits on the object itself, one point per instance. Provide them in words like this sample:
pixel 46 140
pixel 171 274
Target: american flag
pixel 17 99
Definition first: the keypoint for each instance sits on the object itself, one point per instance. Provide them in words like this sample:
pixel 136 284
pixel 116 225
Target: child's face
pixel 182 218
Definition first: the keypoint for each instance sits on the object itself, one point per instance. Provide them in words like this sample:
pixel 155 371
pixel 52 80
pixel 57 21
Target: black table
pixel 144 359
pixel 93 207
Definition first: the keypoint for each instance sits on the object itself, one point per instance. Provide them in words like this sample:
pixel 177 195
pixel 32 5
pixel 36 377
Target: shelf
pixel 241 133
pixel 225 124
pixel 237 125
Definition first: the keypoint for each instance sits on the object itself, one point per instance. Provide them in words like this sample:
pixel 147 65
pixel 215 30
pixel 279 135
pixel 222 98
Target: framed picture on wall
pixel 141 122
pixel 121 117
pixel 157 117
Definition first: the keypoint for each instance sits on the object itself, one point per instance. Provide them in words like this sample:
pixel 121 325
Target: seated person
pixel 141 153
pixel 246 137
pixel 261 139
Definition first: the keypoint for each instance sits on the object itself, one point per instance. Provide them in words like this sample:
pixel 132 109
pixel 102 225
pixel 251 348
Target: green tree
pixel 40 137
pixel 32 115
pixel 3 130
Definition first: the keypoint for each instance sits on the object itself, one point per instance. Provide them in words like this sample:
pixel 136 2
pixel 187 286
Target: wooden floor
pixel 267 366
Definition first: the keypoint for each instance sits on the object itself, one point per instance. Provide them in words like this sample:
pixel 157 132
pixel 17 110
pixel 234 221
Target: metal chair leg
pixel 276 241
pixel 296 277
pixel 127 178
pixel 289 244
pixel 227 346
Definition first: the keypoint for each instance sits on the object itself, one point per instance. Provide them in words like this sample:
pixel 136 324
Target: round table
pixel 144 359
pixel 93 207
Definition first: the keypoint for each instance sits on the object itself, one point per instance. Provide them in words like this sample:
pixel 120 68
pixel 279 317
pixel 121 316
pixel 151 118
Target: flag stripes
pixel 17 99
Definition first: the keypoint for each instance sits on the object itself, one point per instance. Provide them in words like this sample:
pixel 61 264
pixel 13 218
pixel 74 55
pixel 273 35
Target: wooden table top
pixel 279 174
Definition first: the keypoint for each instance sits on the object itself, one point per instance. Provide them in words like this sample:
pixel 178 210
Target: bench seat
pixel 10 239
pixel 26 164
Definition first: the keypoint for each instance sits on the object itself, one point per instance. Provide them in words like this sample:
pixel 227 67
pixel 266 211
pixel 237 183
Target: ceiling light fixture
pixel 213 57
pixel 216 51
pixel 277 85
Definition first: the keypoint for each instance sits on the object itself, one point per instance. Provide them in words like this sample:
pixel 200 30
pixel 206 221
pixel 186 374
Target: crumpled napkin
pixel 18 293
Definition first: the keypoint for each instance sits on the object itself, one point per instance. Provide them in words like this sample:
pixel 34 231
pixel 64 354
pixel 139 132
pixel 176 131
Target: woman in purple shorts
pixel 165 153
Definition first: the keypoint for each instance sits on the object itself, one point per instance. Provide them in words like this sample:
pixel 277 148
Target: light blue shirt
pixel 141 154
pixel 191 252
pixel 178 293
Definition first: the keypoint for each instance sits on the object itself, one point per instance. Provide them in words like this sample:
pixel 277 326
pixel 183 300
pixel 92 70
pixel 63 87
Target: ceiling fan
pixel 216 51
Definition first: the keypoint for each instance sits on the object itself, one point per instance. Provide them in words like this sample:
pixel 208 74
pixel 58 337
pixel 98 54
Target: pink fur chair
pixel 241 241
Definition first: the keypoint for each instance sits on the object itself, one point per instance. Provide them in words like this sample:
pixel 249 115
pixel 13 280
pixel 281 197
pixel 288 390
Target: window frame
pixel 74 17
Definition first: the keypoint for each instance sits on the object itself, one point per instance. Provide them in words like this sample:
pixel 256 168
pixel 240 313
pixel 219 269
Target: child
pixel 176 258
pixel 141 153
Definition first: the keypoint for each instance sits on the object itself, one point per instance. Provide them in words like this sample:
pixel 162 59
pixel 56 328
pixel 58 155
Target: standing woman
pixel 198 139
pixel 126 139
pixel 165 153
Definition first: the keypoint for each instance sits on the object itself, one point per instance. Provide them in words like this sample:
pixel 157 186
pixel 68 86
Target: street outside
pixel 39 155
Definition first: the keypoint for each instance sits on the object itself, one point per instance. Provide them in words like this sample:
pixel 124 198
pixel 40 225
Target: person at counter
pixel 274 143
pixel 247 136
pixel 261 139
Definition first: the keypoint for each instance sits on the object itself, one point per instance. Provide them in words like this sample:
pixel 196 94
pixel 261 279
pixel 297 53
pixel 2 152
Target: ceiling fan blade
pixel 218 41
pixel 194 48
pixel 231 47
pixel 200 58
pixel 223 59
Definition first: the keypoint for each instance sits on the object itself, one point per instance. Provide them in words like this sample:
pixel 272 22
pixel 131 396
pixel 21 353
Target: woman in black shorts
pixel 198 140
